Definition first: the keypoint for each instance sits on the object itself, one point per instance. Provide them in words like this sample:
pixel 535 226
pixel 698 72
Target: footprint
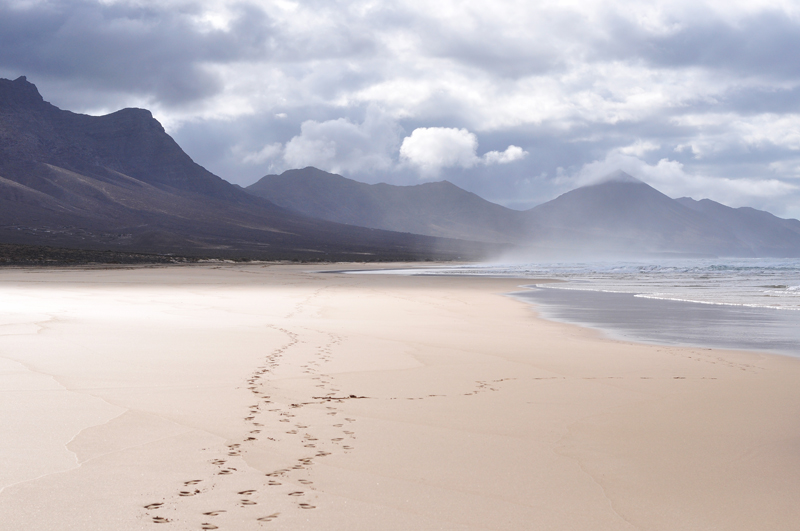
pixel 273 482
pixel 208 526
pixel 296 493
pixel 246 492
pixel 305 482
pixel 153 506
pixel 160 520
pixel 192 482
pixel 248 502
pixel 188 493
pixel 307 506
pixel 268 518
pixel 214 513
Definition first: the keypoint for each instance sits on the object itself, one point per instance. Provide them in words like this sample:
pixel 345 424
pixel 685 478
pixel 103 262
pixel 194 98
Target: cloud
pixel 430 149
pixel 511 154
pixel 671 178
pixel 704 83
pixel 120 48
pixel 701 36
pixel 639 148
pixel 267 153
pixel 343 146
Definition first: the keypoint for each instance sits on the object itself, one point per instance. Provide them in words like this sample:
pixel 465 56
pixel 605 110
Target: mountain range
pixel 620 215
pixel 120 182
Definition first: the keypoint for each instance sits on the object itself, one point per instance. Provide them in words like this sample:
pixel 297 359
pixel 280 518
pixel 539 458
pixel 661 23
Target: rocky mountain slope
pixel 618 216
pixel 436 209
pixel 121 182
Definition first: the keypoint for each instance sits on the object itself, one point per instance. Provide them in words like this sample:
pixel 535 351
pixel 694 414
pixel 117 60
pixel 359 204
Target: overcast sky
pixel 516 101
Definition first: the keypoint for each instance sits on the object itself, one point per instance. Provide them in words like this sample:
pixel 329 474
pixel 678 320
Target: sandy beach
pixel 240 397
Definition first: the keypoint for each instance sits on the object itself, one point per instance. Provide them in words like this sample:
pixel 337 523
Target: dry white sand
pixel 197 390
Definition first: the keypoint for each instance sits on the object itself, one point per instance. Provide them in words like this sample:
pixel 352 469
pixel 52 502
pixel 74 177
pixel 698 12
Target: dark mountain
pixel 618 216
pixel 435 209
pixel 763 233
pixel 624 215
pixel 121 182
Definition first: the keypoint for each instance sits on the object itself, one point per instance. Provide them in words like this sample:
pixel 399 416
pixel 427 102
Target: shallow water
pixel 670 322
pixel 751 304
pixel 767 282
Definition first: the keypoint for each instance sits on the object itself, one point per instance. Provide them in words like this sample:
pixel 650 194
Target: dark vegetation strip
pixel 12 254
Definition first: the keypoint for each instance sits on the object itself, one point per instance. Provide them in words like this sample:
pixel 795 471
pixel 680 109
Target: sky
pixel 517 101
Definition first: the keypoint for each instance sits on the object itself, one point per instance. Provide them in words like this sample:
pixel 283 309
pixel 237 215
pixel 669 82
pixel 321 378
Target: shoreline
pixel 783 342
pixel 669 322
pixel 450 406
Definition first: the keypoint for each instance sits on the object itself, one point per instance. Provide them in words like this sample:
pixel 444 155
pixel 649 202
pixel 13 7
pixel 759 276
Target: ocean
pixel 748 304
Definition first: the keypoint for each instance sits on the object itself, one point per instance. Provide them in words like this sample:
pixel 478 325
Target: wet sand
pixel 672 322
pixel 269 397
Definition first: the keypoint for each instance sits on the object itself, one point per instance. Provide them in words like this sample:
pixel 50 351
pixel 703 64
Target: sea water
pixel 751 304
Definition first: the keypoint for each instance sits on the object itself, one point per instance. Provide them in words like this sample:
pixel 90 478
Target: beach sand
pixel 273 397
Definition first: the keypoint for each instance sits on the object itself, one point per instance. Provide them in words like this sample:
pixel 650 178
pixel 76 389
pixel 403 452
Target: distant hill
pixel 624 215
pixel 435 209
pixel 121 182
pixel 620 215
pixel 761 232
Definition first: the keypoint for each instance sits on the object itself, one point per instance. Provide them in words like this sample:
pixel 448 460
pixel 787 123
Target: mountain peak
pixel 618 176
pixel 20 91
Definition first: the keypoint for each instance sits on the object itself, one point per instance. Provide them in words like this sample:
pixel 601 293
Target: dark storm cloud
pixel 684 92
pixel 764 99
pixel 154 51
pixel 121 48
pixel 761 44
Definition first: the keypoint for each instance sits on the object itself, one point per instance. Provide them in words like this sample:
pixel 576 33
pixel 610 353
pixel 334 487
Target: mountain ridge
pixel 617 214
pixel 434 209
pixel 119 181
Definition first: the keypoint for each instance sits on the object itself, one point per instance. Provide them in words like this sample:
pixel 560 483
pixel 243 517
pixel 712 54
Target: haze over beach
pixel 356 265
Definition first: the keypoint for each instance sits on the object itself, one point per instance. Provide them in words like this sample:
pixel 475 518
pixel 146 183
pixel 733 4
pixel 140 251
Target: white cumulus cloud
pixel 433 148
pixel 343 146
pixel 640 148
pixel 268 152
pixel 671 178
pixel 430 149
pixel 511 154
